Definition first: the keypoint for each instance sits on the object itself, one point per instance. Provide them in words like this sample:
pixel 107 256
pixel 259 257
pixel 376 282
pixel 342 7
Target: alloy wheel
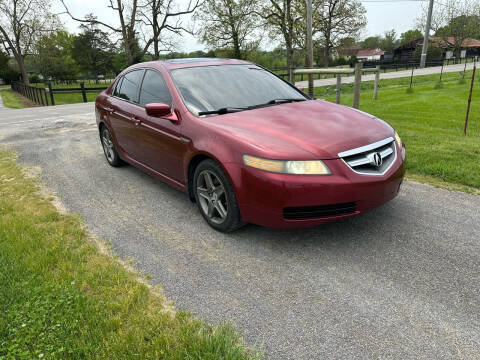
pixel 212 196
pixel 108 146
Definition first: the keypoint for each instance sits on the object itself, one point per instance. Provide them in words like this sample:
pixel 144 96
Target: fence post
pixel 40 97
pixel 35 95
pixel 356 88
pixel 52 100
pixel 469 98
pixel 84 93
pixel 339 87
pixel 411 78
pixel 375 86
pixel 44 94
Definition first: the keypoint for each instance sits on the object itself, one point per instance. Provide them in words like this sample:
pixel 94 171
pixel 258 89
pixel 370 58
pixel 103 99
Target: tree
pixel 160 17
pixel 280 18
pixel 53 55
pixel 229 24
pixel 6 71
pixel 371 42
pixel 93 51
pixel 338 19
pixel 410 35
pixel 388 42
pixel 22 22
pixel 154 15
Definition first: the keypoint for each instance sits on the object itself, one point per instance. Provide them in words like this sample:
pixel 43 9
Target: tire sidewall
pixel 116 158
pixel 233 220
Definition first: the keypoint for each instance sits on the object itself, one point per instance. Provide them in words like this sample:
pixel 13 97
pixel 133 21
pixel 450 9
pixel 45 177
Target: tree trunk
pixel 290 62
pixel 23 69
pixel 288 41
pixel 326 55
pixel 236 47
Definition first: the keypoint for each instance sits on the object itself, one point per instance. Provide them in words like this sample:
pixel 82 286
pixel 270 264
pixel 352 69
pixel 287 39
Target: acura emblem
pixel 377 159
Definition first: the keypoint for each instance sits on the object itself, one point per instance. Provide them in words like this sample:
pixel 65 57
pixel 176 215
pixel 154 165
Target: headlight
pixel 398 140
pixel 307 167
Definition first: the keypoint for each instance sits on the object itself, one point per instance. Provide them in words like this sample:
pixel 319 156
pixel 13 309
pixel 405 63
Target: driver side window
pixel 154 89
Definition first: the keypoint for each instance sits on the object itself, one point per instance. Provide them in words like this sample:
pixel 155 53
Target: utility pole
pixel 309 46
pixel 423 59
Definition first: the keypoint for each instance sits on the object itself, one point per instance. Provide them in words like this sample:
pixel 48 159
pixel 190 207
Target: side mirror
pixel 158 109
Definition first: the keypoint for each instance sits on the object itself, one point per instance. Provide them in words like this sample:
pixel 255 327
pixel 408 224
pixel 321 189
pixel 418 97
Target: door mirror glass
pixel 158 109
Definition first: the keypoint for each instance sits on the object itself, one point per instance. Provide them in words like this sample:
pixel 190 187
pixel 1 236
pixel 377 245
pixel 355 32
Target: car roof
pixel 192 62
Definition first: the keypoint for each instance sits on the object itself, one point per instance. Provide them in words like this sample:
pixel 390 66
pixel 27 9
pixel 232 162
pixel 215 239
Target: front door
pixel 161 146
pixel 124 109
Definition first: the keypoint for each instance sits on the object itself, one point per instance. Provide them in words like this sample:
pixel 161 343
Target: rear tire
pixel 109 149
pixel 215 197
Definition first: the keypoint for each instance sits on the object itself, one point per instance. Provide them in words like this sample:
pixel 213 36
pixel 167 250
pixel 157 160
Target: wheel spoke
pixel 203 193
pixel 220 191
pixel 221 210
pixel 210 209
pixel 209 181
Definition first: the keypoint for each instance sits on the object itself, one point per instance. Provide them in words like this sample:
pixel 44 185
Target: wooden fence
pixel 46 96
pixel 35 94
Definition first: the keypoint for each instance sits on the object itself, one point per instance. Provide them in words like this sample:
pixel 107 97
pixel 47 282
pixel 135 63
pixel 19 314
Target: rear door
pixel 125 111
pixel 162 148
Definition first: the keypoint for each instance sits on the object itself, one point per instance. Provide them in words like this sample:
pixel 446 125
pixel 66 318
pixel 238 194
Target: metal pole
pixel 375 86
pixel 309 46
pixel 357 84
pixel 469 99
pixel 339 87
pixel 426 36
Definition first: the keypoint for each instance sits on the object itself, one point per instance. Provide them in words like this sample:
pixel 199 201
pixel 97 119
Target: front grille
pixel 320 211
pixel 362 160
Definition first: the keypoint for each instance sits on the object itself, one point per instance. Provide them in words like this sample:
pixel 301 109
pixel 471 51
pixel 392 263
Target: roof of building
pixel 369 52
pixel 439 41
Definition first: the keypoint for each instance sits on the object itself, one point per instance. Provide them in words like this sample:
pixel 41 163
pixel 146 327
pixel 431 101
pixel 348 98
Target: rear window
pixel 129 86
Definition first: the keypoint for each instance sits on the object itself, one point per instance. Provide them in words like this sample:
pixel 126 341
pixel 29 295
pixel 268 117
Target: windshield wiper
pixel 276 101
pixel 221 111
pixel 226 110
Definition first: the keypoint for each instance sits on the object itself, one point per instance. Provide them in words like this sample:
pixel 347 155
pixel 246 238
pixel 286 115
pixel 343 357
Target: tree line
pixel 35 38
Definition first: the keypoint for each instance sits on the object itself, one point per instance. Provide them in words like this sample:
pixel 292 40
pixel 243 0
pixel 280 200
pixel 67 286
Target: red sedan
pixel 246 146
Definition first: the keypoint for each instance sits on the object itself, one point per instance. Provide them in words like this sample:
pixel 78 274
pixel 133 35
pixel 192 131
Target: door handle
pixel 136 121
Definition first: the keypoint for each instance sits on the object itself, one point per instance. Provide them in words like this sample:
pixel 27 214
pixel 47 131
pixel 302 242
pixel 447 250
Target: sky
pixel 382 15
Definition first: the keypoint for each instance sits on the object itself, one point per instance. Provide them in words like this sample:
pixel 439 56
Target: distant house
pixel 348 52
pixel 370 54
pixel 470 47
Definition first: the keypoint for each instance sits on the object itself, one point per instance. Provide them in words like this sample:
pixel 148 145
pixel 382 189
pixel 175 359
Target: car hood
pixel 314 129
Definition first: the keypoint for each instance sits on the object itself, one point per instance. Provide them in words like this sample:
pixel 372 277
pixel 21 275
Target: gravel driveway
pixel 401 282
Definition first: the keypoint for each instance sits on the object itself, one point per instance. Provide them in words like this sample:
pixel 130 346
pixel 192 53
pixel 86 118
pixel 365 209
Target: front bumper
pixel 263 196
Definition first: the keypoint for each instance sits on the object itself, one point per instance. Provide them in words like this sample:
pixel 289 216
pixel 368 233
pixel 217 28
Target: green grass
pixel 61 298
pixel 12 100
pixel 61 99
pixel 430 121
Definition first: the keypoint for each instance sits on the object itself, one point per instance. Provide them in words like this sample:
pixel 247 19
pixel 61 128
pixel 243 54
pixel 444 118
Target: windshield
pixel 209 88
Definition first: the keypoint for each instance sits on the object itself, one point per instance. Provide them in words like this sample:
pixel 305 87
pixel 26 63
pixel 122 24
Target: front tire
pixel 109 149
pixel 215 197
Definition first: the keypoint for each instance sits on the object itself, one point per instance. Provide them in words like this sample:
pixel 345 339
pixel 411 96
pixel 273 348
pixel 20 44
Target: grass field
pixel 61 298
pixel 430 121
pixel 61 99
pixel 14 100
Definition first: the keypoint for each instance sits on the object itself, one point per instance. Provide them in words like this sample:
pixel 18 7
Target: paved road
pixel 388 75
pixel 401 282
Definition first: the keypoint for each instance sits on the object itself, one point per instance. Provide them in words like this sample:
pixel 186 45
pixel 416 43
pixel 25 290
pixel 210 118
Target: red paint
pixel 315 129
